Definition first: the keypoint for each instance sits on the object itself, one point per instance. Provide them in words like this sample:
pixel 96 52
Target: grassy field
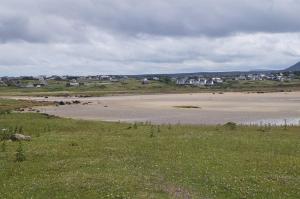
pixel 83 159
pixel 7 105
pixel 132 86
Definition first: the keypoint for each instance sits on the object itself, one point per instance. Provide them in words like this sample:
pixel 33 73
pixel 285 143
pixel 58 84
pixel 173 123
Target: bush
pixel 102 87
pixel 21 130
pixel 4 112
pixel 231 125
pixel 152 132
pixel 20 154
pixel 135 125
pixel 265 128
pixel 166 80
pixel 3 146
pixel 5 134
pixel 74 144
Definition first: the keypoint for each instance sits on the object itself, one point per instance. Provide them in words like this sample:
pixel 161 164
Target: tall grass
pixel 83 159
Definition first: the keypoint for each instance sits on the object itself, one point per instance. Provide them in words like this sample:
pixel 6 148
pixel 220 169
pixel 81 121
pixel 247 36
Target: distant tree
pixel 286 73
pixel 28 78
pixel 297 73
pixel 166 80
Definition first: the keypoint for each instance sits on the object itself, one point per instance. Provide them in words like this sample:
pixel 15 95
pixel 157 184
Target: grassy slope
pixel 8 105
pixel 82 159
pixel 135 87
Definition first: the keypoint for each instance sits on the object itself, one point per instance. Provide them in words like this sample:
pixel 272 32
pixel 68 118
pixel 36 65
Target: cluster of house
pixel 86 80
pixel 147 80
pixel 217 80
pixel 194 80
pixel 260 77
pixel 42 81
pixel 21 82
pixel 199 81
pixel 89 78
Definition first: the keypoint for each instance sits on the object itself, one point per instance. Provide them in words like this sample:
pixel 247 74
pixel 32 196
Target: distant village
pixel 69 81
pixel 210 79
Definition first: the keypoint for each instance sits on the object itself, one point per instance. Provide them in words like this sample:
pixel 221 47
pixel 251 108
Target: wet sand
pixel 163 109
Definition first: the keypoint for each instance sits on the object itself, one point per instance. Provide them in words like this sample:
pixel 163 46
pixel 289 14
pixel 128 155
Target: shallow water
pixel 275 122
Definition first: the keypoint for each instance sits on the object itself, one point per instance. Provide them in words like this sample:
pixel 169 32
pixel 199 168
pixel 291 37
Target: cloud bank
pixel 133 36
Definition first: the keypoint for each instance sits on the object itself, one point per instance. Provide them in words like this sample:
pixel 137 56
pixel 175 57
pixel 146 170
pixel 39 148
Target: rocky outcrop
pixel 20 137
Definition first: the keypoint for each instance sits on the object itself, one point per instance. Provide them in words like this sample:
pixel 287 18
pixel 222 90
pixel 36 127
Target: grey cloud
pixel 186 18
pixel 157 17
pixel 152 55
pixel 16 28
pixel 134 36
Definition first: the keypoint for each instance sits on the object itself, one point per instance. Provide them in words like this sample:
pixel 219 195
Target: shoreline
pixel 111 93
pixel 47 97
pixel 212 109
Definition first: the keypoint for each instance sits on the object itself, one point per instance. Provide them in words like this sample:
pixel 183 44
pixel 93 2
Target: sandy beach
pixel 200 108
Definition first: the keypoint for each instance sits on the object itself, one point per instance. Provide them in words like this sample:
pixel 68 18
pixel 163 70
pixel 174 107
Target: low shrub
pixel 230 125
pixel 20 154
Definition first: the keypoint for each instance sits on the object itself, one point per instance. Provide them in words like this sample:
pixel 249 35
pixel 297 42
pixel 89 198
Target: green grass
pixel 84 159
pixel 7 105
pixel 132 86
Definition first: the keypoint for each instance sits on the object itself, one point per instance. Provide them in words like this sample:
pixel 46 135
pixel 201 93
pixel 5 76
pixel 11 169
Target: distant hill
pixel 295 67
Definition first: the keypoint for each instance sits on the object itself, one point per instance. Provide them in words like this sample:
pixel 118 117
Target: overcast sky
pixel 138 36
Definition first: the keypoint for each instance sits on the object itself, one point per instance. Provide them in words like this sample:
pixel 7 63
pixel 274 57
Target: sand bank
pixel 174 108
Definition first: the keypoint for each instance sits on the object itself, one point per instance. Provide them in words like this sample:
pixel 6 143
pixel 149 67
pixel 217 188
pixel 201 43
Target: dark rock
pixel 61 103
pixel 76 102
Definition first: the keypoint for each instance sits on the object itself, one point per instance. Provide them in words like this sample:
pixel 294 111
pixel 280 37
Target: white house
pixel 217 80
pixel 145 81
pixel 181 81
